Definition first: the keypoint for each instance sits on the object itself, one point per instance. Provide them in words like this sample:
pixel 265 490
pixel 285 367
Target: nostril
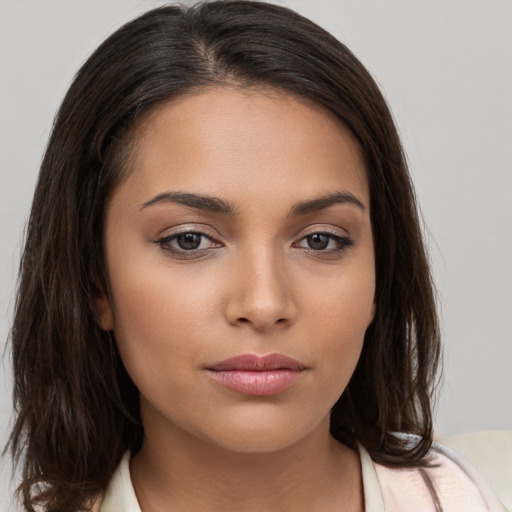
pixel 246 320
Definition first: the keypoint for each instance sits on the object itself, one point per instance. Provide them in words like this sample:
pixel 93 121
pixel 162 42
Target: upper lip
pixel 255 362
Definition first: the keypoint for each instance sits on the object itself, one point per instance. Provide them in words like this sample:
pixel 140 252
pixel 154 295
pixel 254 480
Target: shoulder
pixel 450 482
pixel 491 454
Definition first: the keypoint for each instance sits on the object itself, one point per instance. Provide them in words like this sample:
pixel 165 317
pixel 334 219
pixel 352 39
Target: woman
pixel 225 302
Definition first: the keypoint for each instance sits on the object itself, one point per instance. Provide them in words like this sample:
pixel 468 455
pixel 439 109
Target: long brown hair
pixel 77 409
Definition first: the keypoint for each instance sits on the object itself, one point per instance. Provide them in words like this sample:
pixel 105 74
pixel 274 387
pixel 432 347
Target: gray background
pixel 446 70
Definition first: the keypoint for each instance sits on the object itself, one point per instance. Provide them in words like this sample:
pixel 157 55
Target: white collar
pixel 120 494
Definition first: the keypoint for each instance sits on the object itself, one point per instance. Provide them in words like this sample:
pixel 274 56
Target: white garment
pixel 457 485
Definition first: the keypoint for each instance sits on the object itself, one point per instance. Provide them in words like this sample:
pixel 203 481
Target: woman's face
pixel 242 230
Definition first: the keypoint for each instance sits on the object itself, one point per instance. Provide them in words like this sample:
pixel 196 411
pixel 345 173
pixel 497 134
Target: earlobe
pixel 104 312
pixel 372 314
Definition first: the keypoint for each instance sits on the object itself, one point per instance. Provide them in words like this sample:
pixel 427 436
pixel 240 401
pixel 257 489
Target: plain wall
pixel 446 70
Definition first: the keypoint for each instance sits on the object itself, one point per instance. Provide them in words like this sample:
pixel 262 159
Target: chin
pixel 255 445
pixel 264 435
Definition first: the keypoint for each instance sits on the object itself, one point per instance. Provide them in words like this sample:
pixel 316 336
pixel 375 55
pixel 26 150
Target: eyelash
pixel 343 243
pixel 165 244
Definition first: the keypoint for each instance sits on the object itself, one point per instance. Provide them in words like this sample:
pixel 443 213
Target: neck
pixel 177 471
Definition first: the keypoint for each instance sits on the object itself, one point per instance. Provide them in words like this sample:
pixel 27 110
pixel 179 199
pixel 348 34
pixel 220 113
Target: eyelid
pixel 200 229
pixel 313 229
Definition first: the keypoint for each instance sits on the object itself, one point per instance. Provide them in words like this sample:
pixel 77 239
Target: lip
pixel 251 374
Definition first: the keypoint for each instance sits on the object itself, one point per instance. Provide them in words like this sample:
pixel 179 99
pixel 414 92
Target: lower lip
pixel 257 383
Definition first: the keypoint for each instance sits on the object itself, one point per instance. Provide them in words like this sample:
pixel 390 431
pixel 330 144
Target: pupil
pixel 189 241
pixel 318 241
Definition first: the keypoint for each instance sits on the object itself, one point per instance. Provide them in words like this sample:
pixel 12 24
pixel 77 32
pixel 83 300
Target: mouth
pixel 255 375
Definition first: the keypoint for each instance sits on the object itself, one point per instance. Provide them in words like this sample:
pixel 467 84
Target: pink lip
pixel 251 374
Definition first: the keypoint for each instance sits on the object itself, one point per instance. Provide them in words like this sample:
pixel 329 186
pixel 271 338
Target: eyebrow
pixel 323 202
pixel 201 202
pixel 217 205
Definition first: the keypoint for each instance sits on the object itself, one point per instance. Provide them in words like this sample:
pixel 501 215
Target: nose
pixel 261 293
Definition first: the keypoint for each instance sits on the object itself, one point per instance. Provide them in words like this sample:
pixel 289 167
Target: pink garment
pixel 450 484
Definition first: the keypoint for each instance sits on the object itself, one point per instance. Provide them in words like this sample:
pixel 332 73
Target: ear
pixel 372 315
pixel 104 312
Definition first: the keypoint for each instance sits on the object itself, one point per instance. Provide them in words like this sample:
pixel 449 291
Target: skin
pixel 256 284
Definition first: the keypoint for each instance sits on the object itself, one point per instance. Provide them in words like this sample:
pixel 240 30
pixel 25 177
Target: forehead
pixel 249 143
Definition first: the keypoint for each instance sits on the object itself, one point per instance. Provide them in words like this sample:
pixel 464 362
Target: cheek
pixel 160 319
pixel 339 313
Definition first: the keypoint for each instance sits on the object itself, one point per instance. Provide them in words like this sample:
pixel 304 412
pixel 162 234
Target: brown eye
pixel 188 241
pixel 318 241
pixel 325 243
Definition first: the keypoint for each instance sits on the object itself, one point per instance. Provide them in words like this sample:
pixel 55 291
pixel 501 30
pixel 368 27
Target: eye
pixel 325 242
pixel 187 241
